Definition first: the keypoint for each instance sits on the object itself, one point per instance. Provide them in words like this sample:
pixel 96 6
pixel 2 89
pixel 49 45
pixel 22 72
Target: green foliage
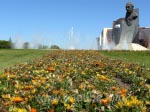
pixel 40 46
pixel 26 45
pixel 5 44
pixel 54 47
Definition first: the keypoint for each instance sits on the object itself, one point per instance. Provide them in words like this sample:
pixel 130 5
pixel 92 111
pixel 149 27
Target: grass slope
pixel 75 81
pixel 139 57
pixel 11 57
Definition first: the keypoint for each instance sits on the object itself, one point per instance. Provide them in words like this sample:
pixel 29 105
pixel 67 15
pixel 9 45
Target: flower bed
pixel 74 81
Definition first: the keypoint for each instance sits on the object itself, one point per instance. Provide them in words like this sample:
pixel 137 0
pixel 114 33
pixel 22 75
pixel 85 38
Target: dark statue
pixel 130 14
pixel 126 29
pixel 142 38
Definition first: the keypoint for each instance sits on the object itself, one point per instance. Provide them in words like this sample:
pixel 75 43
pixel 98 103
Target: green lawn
pixel 11 57
pixel 139 57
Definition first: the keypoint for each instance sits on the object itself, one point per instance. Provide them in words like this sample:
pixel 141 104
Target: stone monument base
pixel 130 46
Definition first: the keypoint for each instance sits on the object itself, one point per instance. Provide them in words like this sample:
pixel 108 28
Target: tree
pixel 45 47
pixel 11 44
pixel 54 47
pixel 4 44
pixel 40 46
pixel 26 45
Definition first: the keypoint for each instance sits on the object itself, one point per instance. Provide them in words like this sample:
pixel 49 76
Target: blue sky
pixel 66 23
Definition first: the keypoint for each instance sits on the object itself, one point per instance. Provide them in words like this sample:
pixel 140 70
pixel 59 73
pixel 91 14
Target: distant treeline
pixel 5 44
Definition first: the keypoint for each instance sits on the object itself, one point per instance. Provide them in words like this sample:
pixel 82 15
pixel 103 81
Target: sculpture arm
pixel 131 17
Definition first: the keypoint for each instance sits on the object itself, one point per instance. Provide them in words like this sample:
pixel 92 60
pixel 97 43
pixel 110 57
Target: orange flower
pixel 144 110
pixel 82 86
pixel 104 101
pixel 102 64
pixel 26 99
pixel 6 103
pixel 28 87
pixel 33 110
pixel 122 92
pixel 17 99
pixel 114 88
pixel 51 110
pixel 51 69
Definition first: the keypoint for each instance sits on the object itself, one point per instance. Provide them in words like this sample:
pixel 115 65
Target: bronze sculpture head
pixel 130 13
pixel 129 7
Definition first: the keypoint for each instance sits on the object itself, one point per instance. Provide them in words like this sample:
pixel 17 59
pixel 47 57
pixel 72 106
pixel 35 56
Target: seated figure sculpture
pixel 125 29
pixel 130 14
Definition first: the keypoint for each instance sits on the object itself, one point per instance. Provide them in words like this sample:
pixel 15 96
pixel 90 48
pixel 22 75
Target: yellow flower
pixel 103 78
pixel 129 102
pixel 141 83
pixel 83 73
pixel 61 92
pixel 68 106
pixel 71 100
pixel 130 72
pixel 43 80
pixel 3 75
pixel 126 69
pixel 6 96
pixel 17 99
pixel 135 101
pixel 22 110
pixel 33 90
pixel 119 104
pixel 55 92
pixel 36 83
pixel 148 86
pixel 15 109
pixel 82 86
pixel 54 102
pixel 143 109
pixel 91 86
pixel 75 70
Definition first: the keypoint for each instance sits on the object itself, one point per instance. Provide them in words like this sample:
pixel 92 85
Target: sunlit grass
pixel 11 57
pixel 140 57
